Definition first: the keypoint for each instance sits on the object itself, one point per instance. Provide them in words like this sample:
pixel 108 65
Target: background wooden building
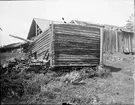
pixel 115 39
pixel 76 43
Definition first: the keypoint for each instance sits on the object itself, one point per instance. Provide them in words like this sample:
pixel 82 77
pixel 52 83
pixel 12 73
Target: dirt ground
pixel 55 88
pixel 123 68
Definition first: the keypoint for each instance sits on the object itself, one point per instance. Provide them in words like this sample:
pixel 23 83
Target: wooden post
pixel 51 41
pixel 101 47
pixel 129 43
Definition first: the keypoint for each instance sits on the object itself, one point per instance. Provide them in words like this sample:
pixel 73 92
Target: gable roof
pixel 42 23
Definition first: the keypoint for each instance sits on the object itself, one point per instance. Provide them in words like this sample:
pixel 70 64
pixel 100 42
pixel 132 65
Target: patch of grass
pixel 48 95
pixel 103 72
pixel 33 89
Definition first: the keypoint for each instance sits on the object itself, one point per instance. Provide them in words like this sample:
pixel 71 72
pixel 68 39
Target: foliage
pixel 130 23
pixel 51 87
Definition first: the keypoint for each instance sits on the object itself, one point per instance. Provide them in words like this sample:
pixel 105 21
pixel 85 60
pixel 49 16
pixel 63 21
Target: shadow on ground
pixel 113 69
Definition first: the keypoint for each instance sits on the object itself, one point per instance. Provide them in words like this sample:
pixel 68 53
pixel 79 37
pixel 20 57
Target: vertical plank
pixel 113 41
pixel 116 41
pixel 104 41
pixel 101 46
pixel 110 37
pixel 126 43
pixel 107 40
pixel 129 43
pixel 121 42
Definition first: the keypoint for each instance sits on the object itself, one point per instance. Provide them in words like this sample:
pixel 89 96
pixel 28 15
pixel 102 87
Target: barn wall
pixel 128 42
pixel 41 45
pixel 120 41
pixel 109 40
pixel 76 45
pixel 133 42
pixel 117 41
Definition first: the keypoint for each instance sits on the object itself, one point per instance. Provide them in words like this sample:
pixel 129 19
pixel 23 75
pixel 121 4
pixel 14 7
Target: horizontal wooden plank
pixel 41 47
pixel 76 44
pixel 43 39
pixel 78 60
pixel 79 27
pixel 75 33
pixel 77 53
pixel 78 40
pixel 45 44
pixel 76 63
pixel 83 62
pixel 66 55
pixel 41 36
pixel 79 50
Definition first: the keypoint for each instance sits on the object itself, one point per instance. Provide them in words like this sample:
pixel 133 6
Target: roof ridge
pixel 46 19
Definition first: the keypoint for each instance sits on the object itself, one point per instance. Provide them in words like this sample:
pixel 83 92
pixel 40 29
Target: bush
pixel 33 89
pixel 70 77
pixel 34 84
pixel 48 95
pixel 87 72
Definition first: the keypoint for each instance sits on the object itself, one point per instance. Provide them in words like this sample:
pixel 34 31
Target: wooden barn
pixel 77 43
pixel 115 39
pixel 65 44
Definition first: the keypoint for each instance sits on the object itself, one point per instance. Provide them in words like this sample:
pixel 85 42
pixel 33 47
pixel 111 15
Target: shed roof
pixel 78 22
pixel 83 23
pixel 13 46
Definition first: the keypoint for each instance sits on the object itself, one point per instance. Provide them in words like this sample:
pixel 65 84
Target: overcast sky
pixel 16 16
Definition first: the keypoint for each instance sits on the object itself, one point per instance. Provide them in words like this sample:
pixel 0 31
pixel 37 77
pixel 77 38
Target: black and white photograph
pixel 67 52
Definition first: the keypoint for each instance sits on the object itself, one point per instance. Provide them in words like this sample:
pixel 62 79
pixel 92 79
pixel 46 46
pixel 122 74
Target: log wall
pixel 76 45
pixel 41 45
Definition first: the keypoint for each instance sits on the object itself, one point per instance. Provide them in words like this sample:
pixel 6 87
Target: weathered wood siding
pixel 127 42
pixel 76 45
pixel 117 41
pixel 109 41
pixel 41 45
